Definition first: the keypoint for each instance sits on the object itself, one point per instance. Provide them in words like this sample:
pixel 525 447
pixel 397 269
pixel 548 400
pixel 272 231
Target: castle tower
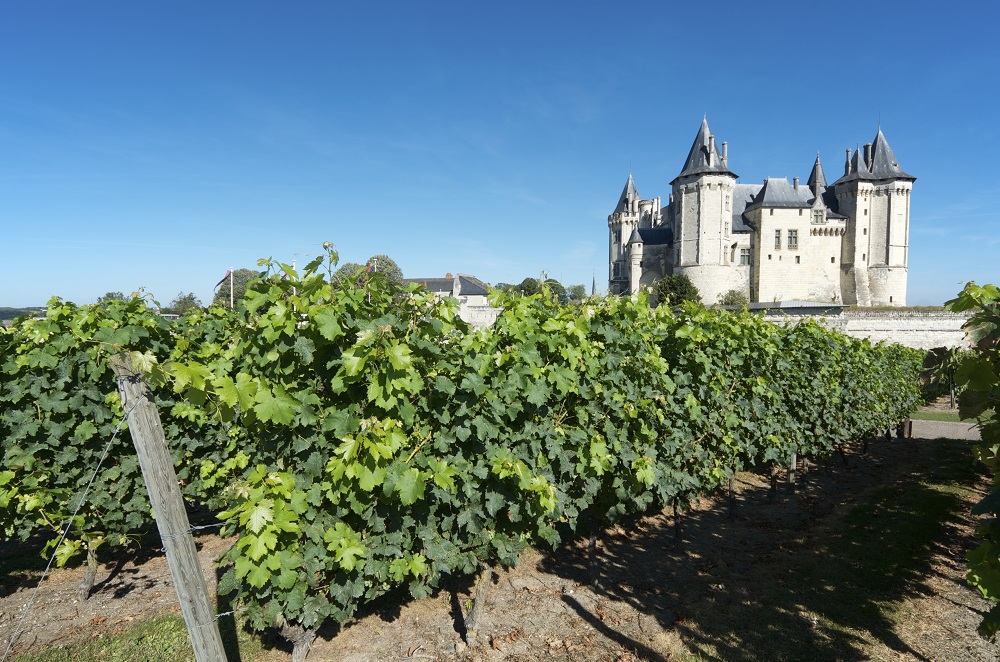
pixel 874 194
pixel 630 214
pixel 701 213
pixel 621 223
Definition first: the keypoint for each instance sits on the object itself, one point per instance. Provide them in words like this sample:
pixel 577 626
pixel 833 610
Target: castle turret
pixel 621 223
pixel 817 180
pixel 701 213
pixel 635 262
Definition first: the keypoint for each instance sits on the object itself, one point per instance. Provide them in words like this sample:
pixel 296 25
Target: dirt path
pixel 659 598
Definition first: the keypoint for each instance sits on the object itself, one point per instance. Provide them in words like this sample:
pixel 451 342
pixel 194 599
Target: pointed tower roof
pixel 884 163
pixel 629 193
pixel 704 156
pixel 817 180
pixel 857 169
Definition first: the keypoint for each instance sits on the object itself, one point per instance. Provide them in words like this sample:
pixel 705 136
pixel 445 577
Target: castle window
pixel 865 231
pixel 793 240
pixel 866 212
pixel 833 260
pixel 777 238
pixel 818 216
pixel 745 256
pixel 772 212
pixel 768 257
pixel 797 259
pixel 800 212
pixel 727 203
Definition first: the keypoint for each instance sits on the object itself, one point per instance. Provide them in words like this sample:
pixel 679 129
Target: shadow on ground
pixel 813 574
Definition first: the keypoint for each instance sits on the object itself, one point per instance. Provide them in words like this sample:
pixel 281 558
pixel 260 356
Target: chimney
pixel 725 153
pixel 795 183
pixel 448 275
pixel 847 163
pixel 711 150
pixel 868 155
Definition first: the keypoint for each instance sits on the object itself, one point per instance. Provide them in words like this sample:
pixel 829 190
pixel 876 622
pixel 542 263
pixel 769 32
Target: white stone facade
pixel 843 243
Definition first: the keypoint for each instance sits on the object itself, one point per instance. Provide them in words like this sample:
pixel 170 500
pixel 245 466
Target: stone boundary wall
pixel 913 328
pixel 479 316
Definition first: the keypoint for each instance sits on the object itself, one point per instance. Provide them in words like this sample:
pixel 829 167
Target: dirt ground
pixel 650 583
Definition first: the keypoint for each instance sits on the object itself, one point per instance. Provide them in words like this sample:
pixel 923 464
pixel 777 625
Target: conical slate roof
pixel 629 193
pixel 884 164
pixel 817 180
pixel 698 161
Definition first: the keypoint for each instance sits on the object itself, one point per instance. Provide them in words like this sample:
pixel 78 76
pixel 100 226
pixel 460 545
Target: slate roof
pixel 884 164
pixel 437 285
pixel 656 236
pixel 817 180
pixel 629 193
pixel 697 161
pixel 778 193
pixel 743 195
pixel 472 286
pixel 467 285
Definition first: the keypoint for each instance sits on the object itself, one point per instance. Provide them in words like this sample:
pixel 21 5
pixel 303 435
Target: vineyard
pixel 356 441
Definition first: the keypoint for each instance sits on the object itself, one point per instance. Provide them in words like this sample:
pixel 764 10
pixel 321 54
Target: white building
pixel 842 243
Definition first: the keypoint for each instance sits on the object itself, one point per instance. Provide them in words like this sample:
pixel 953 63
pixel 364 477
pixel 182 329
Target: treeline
pixel 355 441
pixel 13 313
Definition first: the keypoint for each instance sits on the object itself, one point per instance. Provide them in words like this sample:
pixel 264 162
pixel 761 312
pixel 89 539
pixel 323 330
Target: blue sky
pixel 155 145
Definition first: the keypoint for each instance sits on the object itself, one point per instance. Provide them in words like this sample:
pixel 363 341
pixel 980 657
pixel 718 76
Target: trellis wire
pixel 68 523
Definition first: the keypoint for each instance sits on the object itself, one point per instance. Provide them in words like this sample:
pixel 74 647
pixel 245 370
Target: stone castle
pixel 777 241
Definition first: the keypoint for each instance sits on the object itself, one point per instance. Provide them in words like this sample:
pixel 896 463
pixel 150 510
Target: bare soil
pixel 659 597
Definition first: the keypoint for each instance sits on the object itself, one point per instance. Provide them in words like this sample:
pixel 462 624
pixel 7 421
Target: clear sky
pixel 155 145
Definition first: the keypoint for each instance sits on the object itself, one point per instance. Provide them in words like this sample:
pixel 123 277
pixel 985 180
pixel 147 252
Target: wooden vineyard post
pixel 168 509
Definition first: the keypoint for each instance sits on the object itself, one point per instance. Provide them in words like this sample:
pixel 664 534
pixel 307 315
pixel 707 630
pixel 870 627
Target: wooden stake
pixel 168 509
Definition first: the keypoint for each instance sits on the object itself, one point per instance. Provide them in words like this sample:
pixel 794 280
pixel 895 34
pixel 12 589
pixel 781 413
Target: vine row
pixel 356 440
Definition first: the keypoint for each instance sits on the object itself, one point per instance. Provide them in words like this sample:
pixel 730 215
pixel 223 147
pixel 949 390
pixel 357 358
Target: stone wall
pixel 479 316
pixel 913 328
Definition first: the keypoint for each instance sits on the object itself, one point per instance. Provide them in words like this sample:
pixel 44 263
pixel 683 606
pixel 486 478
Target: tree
pixel 182 303
pixel 576 292
pixel 350 272
pixel 528 286
pixel 386 266
pixel 673 289
pixel 110 296
pixel 240 279
pixel 556 289
pixel 347 274
pixel 735 298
